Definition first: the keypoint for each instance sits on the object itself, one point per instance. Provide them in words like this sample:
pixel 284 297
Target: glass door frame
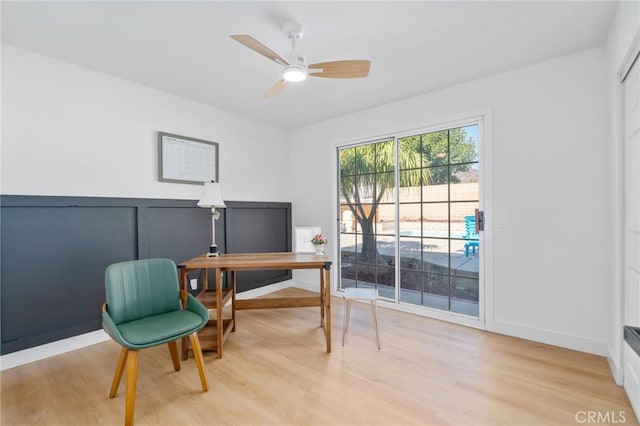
pixel 485 278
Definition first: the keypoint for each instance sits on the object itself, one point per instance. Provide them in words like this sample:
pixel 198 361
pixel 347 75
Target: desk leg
pixel 219 324
pixel 183 280
pixel 322 297
pixel 233 300
pixel 204 277
pixel 327 301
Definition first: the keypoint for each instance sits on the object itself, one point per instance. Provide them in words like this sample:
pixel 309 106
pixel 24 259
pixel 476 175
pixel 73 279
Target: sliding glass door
pixel 409 218
pixel 367 242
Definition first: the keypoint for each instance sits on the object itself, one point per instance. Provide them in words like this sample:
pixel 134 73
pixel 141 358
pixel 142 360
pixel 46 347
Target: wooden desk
pixel 231 263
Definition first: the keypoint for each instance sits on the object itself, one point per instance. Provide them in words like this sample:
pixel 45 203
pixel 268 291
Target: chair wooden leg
pixel 185 350
pixel 374 313
pixel 197 354
pixel 132 379
pixel 173 350
pixel 122 361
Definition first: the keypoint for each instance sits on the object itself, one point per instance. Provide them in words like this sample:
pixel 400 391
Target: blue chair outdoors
pixel 470 234
pixel 145 308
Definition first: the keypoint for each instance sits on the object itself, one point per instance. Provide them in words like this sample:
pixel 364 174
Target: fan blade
pixel 276 89
pixel 341 69
pixel 256 46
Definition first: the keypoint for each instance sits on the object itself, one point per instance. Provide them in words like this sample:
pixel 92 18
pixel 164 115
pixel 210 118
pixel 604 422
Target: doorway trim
pixel 483 117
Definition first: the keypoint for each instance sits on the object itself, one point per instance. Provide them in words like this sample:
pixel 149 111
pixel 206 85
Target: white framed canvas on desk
pixel 303 236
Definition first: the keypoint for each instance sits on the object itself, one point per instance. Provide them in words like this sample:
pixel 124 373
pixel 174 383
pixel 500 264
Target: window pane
pixel 410 286
pixel 466 267
pixel 464 185
pixel 347 219
pixel 464 297
pixel 463 220
pixel 435 148
pixel 366 208
pixel 435 219
pixel 436 191
pixel 436 291
pixel 386 277
pixel 364 190
pixel 410 184
pixel 425 289
pixel 409 152
pixel 347 158
pixel 385 219
pixel 386 249
pixel 385 159
pixel 385 184
pixel 347 187
pixel 436 260
pixel 410 217
pixel 463 143
pixel 365 159
pixel 350 247
pixel 411 253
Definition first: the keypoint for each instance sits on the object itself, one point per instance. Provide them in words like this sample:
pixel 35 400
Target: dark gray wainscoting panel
pixel 53 261
pixel 54 250
pixel 172 231
pixel 258 228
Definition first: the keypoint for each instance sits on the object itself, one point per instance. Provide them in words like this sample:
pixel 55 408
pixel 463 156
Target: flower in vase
pixel 319 240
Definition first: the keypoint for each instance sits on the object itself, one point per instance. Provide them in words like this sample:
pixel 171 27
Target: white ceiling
pixel 415 47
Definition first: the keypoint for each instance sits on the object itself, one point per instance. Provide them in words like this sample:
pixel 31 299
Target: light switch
pixel 501 222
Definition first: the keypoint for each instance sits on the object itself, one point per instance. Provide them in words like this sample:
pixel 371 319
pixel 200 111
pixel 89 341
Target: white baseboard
pixel 261 291
pixel 538 335
pixel 550 337
pixel 304 285
pixel 616 371
pixel 58 347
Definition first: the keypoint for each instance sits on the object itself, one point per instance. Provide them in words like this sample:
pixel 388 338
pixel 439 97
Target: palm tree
pixel 368 172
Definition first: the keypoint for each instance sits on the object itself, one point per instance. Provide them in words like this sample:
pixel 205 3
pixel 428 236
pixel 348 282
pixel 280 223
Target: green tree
pixel 446 153
pixel 366 173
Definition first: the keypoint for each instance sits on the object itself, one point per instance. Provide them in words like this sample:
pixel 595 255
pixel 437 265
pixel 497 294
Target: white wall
pixel 67 130
pixel 70 131
pixel 552 265
pixel 625 26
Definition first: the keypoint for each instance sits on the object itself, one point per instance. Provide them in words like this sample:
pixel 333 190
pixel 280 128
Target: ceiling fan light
pixel 294 73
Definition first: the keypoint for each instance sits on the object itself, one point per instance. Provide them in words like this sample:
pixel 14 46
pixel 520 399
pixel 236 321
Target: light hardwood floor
pixel 275 371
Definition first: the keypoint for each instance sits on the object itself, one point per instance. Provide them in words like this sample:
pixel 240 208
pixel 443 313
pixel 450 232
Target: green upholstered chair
pixel 145 307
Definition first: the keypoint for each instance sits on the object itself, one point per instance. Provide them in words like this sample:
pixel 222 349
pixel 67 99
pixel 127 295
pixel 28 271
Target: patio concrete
pixel 433 251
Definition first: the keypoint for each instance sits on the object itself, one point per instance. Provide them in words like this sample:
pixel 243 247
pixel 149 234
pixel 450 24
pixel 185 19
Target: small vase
pixel 319 248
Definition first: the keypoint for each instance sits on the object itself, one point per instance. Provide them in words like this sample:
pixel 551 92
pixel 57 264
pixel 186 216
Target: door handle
pixel 479 220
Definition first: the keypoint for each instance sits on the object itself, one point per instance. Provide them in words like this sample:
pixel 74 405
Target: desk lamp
pixel 212 198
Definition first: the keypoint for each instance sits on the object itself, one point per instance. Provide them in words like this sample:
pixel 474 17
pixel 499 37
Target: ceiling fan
pixel 294 64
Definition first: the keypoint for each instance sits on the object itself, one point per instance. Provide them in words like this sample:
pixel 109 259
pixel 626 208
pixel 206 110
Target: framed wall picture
pixel 187 160
pixel 303 236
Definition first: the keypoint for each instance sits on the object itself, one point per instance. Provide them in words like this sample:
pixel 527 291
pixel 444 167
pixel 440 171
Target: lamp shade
pixel 211 196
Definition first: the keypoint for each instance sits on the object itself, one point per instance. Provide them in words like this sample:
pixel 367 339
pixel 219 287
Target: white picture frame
pixel 303 236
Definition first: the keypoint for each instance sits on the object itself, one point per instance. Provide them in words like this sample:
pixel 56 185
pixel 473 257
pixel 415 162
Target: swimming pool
pixel 431 234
